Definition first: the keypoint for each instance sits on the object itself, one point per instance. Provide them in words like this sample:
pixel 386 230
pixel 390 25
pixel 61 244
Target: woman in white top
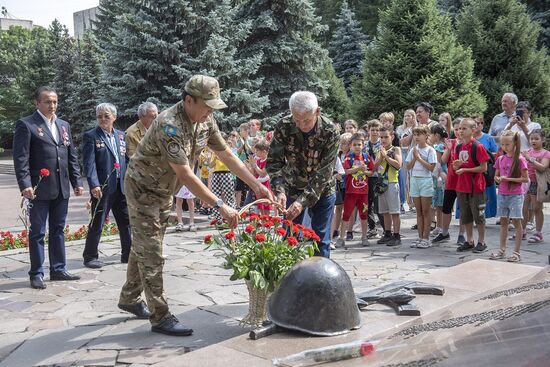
pixel 405 135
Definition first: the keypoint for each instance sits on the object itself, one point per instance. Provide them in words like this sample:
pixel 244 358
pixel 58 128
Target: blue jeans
pixel 321 220
pixel 402 178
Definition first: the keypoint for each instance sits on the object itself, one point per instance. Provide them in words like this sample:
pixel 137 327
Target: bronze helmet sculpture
pixel 315 297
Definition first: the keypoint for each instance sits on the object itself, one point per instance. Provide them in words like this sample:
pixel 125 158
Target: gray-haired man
pixel 147 113
pixel 300 164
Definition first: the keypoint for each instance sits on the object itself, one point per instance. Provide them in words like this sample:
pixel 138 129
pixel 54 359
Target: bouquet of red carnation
pixel 263 248
pixel 26 204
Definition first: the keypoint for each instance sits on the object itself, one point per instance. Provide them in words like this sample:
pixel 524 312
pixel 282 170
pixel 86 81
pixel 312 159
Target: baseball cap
pixel 207 89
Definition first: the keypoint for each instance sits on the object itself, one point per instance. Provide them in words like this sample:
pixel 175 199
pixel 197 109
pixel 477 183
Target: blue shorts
pixel 510 206
pixel 421 187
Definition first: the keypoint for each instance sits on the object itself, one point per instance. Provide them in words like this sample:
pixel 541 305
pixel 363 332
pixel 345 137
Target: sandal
pixel 536 238
pixel 516 257
pixel 513 237
pixel 179 227
pixel 501 254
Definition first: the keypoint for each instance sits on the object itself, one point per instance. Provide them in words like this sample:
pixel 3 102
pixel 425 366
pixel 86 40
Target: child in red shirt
pixel 358 166
pixel 470 186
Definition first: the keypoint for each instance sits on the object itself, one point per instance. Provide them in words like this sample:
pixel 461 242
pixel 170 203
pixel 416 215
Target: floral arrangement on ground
pixel 262 248
pixel 9 240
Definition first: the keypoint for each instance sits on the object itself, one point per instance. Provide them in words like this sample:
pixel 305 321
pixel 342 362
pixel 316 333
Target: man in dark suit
pixel 104 155
pixel 41 140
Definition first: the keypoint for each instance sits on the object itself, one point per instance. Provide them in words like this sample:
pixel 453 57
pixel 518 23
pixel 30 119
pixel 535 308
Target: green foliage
pixel 25 64
pixel 284 33
pixel 237 75
pixel 148 48
pixel 540 11
pixel 336 104
pixel 63 65
pixel 416 58
pixel 503 39
pixel 367 13
pixel 346 46
pixel 86 87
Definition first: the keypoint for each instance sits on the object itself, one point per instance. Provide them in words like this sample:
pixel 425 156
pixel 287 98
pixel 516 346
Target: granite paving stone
pixel 78 323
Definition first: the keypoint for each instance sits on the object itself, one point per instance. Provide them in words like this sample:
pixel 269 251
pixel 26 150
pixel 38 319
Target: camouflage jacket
pixel 134 134
pixel 301 165
pixel 172 138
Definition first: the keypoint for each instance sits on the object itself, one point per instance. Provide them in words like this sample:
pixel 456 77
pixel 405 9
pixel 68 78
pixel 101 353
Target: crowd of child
pixel 428 166
pixel 424 166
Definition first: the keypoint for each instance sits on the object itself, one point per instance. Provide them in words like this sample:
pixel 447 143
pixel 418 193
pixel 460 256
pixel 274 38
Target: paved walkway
pixel 78 323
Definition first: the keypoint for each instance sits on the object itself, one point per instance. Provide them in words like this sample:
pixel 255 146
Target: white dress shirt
pixel 51 125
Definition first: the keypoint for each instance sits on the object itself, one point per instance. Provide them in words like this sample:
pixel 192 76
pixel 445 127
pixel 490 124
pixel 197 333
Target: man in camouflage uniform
pixel 164 157
pixel 301 162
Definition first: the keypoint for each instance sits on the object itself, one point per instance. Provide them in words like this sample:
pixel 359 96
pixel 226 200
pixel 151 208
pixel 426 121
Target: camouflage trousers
pixel 149 215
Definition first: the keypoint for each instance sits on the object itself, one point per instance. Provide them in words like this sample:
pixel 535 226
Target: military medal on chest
pixel 99 144
pixel 40 132
pixel 122 144
pixel 65 136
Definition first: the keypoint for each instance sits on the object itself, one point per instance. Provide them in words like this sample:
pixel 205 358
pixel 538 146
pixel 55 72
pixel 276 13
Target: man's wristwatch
pixel 218 203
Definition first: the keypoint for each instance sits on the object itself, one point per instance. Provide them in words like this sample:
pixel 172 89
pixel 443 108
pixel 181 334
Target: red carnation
pixel 254 216
pixel 315 237
pixel 276 219
pixel 280 231
pixel 268 224
pixel 116 165
pixel 366 348
pixel 244 215
pixel 230 235
pixel 44 172
pixel 265 217
pixel 292 241
pixel 286 222
pixel 214 221
pixel 208 238
pixel 249 228
pixel 295 228
pixel 260 237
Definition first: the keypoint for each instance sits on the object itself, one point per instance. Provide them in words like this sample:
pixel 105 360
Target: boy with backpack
pixel 358 167
pixel 390 160
pixel 470 167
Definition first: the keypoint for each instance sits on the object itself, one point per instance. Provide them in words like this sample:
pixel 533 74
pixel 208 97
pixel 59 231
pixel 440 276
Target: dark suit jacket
pixel 34 148
pixel 99 159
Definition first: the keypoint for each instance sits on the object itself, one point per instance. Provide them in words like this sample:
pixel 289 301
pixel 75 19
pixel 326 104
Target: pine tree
pixel 450 7
pixel 336 103
pixel 367 13
pixel 416 58
pixel 86 87
pixel 346 46
pixel 63 63
pixel 284 33
pixel 240 86
pixel 150 51
pixel 503 39
pixel 540 11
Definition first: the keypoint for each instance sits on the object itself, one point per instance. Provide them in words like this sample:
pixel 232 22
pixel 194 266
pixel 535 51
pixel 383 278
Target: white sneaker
pixel 424 244
pixel 192 228
pixel 415 243
pixel 435 232
pixel 530 227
